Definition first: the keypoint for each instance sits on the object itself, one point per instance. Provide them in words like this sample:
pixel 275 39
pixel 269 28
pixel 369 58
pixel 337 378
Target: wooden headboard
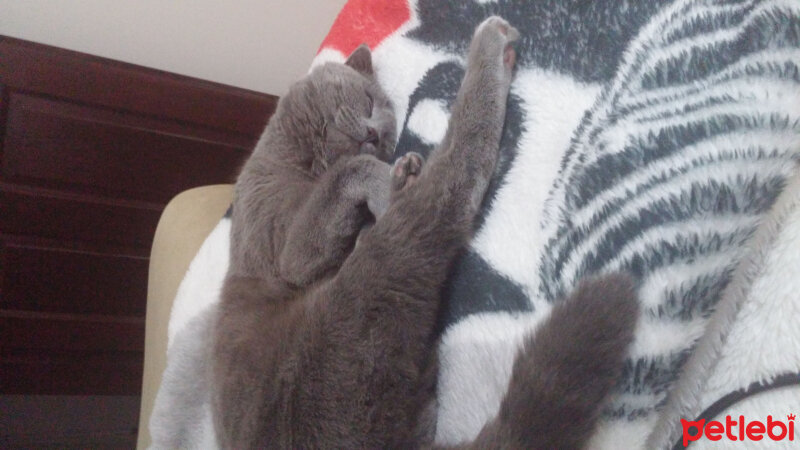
pixel 91 150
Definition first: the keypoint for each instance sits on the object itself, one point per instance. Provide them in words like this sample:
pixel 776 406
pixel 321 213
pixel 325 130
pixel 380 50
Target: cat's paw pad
pixel 406 170
pixel 509 56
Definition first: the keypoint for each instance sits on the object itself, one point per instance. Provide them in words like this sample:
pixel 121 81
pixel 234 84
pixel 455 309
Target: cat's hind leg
pixel 566 369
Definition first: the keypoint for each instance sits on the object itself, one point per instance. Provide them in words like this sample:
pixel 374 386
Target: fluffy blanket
pixel 657 137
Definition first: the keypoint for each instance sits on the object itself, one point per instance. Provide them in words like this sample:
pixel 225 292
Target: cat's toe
pixel 406 170
pixel 414 163
pixel 509 56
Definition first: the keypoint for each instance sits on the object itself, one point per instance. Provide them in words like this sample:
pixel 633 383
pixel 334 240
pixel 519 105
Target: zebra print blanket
pixel 653 137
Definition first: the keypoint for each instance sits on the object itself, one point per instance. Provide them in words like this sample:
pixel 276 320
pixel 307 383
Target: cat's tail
pixel 566 369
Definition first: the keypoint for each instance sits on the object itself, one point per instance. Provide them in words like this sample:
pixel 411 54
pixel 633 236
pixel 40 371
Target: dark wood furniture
pixel 91 150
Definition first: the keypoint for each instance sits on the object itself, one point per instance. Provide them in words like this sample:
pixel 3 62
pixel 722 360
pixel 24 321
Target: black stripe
pixel 694 297
pixel 707 24
pixel 610 169
pixel 687 107
pixel 652 374
pixel 768 72
pixel 474 287
pixel 690 162
pixel 582 38
pixel 751 196
pixel 681 248
pixel 773 30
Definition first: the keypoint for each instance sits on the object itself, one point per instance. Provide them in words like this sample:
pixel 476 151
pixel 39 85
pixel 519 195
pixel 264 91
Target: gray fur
pixel 309 173
pixel 566 369
pixel 325 342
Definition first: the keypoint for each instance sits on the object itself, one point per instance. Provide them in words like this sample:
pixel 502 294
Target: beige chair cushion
pixel 185 223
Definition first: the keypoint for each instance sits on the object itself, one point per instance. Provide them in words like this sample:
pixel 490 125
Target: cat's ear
pixel 361 60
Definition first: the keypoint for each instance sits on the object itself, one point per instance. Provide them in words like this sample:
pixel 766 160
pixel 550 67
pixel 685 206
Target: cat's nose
pixel 372 136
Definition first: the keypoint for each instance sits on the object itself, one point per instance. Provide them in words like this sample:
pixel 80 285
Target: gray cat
pixel 326 333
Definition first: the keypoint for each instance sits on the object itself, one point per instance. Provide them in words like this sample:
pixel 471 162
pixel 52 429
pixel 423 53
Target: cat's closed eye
pixel 370 105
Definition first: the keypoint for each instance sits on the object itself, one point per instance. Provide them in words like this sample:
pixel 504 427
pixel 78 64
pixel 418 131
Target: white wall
pixel 263 45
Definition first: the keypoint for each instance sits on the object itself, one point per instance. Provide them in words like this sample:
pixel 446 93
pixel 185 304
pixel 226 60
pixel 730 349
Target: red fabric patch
pixel 365 21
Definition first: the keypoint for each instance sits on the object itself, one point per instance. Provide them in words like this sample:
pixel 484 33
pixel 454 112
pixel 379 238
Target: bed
pixel 658 137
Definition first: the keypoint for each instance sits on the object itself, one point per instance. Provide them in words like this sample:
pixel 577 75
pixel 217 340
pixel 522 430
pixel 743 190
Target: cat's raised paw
pixel 493 38
pixel 406 170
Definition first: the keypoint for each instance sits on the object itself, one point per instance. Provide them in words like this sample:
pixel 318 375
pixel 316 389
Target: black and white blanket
pixel 657 137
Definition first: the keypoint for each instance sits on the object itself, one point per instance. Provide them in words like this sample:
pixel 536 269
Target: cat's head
pixel 339 110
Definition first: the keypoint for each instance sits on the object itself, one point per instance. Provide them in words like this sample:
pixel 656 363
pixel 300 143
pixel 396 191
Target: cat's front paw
pixel 492 45
pixel 406 170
